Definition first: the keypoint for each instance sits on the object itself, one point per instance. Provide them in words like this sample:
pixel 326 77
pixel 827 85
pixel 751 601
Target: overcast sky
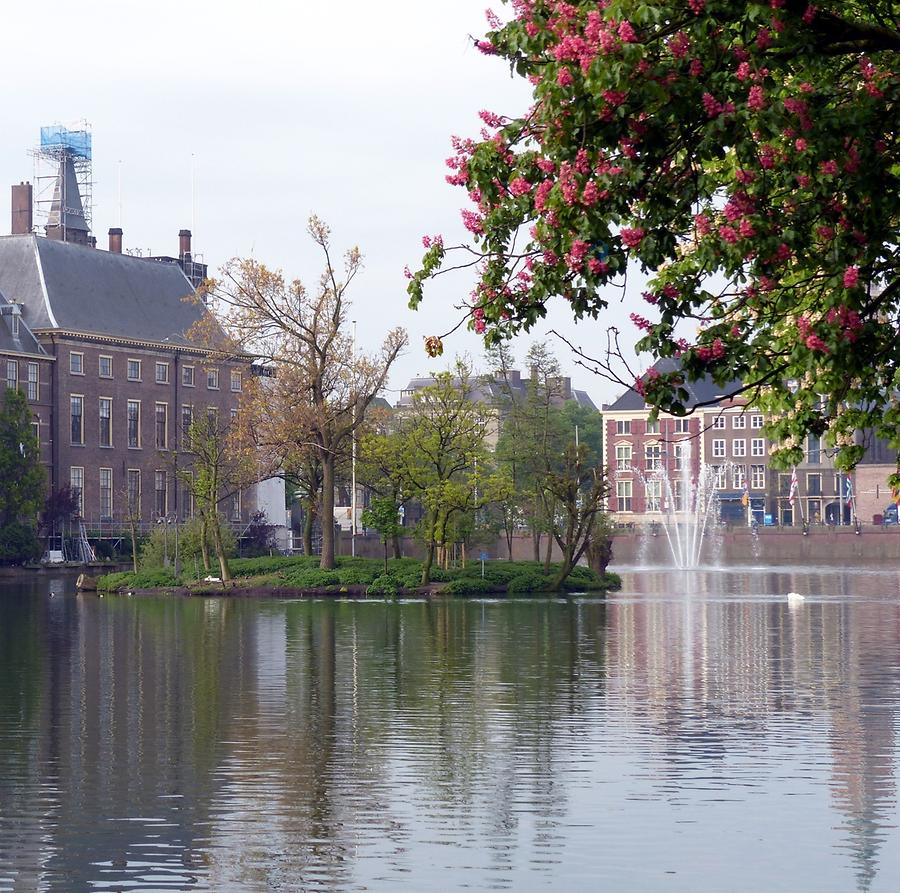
pixel 342 108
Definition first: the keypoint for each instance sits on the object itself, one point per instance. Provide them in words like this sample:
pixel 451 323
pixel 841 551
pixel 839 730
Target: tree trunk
pixel 134 558
pixel 549 554
pixel 429 556
pixel 308 519
pixel 327 560
pixel 385 556
pixel 564 569
pixel 204 543
pixel 224 570
pixel 397 551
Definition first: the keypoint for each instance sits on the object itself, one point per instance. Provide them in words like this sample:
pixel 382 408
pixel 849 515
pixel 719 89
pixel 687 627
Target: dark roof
pixel 25 342
pixel 66 208
pixel 702 391
pixel 82 289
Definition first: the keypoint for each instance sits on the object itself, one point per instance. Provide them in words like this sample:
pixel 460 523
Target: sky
pixel 273 111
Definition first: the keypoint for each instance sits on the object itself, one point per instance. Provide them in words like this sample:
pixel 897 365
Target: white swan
pixel 795 597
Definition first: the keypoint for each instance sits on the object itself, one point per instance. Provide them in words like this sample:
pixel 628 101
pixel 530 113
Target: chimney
pixel 22 209
pixel 115 240
pixel 184 244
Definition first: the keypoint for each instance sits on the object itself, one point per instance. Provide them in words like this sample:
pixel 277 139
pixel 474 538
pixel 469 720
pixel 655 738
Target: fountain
pixel 689 509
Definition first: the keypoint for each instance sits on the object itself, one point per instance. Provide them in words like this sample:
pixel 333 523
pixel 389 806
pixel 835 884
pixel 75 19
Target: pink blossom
pixel 695 69
pixel 486 47
pixel 626 32
pixel 729 234
pixel 493 20
pixel 828 167
pixel 540 196
pixel 697 6
pixel 712 105
pixel 407 273
pixel 564 77
pixel 632 237
pixel 825 233
pixel 743 71
pixel 809 14
pixel 763 38
pixel 744 176
pixel 851 277
pixel 800 144
pixel 756 99
pixel 746 229
pixel 591 194
pixel 814 342
pixel 679 45
pixel 472 221
pixel 598 267
pixel 641 322
pixel 520 186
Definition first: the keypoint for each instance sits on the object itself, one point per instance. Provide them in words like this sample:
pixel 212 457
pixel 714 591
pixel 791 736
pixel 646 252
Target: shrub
pixel 470 586
pixel 149 579
pixel 18 544
pixel 357 575
pixel 112 582
pixel 529 581
pixel 259 537
pixel 312 579
pixel 383 585
pixel 268 564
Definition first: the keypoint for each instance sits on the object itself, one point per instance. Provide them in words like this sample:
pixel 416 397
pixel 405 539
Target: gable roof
pixel 24 343
pixel 75 288
pixel 704 391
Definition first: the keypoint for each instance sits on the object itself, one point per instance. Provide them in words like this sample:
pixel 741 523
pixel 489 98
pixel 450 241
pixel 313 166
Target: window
pixel 738 476
pixel 719 422
pixel 756 421
pixel 813 449
pixel 814 483
pixel 12 374
pixel 718 449
pixel 678 496
pixel 682 426
pixel 134 370
pixel 76 482
pixel 758 446
pixel 76 363
pixel 757 477
pixel 234 506
pixel 739 422
pixel 623 426
pixel 653 426
pixel 623 457
pixel 739 447
pixel 235 380
pixel 106 493
pixel 623 495
pixel 161 494
pixel 104 366
pixel 784 484
pixel 76 414
pixel 105 412
pixel 134 492
pixel 187 419
pixel 679 452
pixel 162 426
pixel 17 310
pixel 36 430
pixel 654 496
pixel 187 496
pixel 212 379
pixel 187 376
pixel 653 457
pixel 162 373
pixel 719 481
pixel 34 382
pixel 212 419
pixel 233 416
pixel 134 424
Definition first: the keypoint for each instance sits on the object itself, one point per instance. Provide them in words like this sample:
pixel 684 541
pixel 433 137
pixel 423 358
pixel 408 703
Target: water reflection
pixel 686 726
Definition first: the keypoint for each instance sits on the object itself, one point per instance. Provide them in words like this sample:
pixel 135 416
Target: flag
pixel 848 489
pixel 795 486
pixel 745 496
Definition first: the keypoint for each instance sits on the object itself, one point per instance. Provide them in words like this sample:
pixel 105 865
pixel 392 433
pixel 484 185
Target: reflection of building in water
pixel 713 676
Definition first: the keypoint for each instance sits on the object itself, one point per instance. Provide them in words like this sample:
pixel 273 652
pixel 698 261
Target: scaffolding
pixel 63 165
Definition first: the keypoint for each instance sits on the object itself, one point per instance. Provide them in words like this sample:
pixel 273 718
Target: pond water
pixel 695 731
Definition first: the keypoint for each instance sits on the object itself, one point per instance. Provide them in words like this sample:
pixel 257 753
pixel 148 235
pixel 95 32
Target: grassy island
pixel 297 576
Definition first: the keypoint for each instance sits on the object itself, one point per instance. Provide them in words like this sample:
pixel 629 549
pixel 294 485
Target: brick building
pixel 105 354
pixel 725 438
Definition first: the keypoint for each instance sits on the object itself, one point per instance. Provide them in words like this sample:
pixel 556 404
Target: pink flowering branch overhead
pixel 750 143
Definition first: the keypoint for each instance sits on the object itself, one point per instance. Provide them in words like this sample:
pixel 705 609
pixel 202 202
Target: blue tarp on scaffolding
pixel 76 142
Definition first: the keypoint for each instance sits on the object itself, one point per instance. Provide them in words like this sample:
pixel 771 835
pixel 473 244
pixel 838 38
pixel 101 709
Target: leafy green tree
pixel 742 154
pixel 22 478
pixel 437 454
pixel 383 515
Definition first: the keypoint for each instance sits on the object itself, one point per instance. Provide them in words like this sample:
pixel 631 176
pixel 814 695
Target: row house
pixel 652 465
